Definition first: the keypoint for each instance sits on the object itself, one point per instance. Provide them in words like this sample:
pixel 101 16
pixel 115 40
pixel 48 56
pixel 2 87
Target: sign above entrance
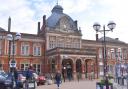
pixel 65 57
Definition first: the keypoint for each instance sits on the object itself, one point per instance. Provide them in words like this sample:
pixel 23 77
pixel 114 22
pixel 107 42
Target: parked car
pixel 6 81
pixel 21 78
pixel 41 80
pixel 35 75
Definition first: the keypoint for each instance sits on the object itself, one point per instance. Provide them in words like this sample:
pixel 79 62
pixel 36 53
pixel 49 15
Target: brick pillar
pixel 58 60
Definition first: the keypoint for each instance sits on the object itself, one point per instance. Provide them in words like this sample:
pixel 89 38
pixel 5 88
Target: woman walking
pixel 58 79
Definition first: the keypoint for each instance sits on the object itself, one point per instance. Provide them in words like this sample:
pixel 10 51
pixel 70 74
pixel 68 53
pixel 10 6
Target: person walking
pixel 29 77
pixel 58 78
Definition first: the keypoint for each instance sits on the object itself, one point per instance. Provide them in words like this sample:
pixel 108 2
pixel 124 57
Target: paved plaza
pixel 83 84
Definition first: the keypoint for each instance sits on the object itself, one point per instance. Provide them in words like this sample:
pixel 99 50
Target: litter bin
pixel 100 85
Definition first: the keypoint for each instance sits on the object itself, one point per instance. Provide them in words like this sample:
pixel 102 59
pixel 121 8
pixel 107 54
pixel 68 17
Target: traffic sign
pixel 12 63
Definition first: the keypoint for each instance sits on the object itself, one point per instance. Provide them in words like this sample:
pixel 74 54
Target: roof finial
pixel 57 2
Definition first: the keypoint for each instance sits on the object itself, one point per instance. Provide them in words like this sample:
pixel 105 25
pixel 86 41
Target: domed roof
pixel 57 9
pixel 57 14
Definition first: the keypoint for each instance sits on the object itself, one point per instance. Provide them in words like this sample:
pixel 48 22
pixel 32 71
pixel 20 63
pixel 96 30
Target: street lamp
pixel 111 25
pixel 12 38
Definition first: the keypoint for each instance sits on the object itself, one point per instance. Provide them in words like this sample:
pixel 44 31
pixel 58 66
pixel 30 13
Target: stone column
pixel 74 71
pixel 83 70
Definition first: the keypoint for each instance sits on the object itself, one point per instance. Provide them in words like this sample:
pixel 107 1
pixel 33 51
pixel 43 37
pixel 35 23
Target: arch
pixel 89 68
pixel 67 68
pixel 79 66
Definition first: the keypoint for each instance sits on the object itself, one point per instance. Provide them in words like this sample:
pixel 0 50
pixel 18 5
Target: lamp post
pixel 111 25
pixel 12 38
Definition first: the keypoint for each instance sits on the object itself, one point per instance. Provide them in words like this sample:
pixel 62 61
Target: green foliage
pixel 102 82
pixel 110 76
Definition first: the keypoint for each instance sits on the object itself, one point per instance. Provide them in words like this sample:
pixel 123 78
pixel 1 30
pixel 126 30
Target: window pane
pixel 25 50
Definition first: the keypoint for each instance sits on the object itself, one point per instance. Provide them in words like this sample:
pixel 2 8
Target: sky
pixel 25 14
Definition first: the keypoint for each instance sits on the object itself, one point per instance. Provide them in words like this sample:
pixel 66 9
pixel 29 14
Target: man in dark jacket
pixel 29 74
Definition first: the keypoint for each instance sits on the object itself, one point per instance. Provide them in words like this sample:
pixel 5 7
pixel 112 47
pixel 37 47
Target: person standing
pixel 58 78
pixel 29 77
pixel 78 76
pixel 69 75
pixel 16 78
pixel 63 73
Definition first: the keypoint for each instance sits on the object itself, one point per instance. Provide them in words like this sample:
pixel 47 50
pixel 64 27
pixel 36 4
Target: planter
pixel 102 85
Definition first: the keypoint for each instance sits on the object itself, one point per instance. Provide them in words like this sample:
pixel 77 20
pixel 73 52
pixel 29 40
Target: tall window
pixel 110 68
pixel 37 68
pixel 76 43
pixel 101 69
pixel 108 53
pixel 125 54
pixel 60 42
pixel 24 66
pixel 52 42
pixel 25 49
pixel 114 53
pixel 37 50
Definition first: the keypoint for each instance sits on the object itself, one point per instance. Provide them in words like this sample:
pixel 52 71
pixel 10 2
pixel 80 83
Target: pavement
pixel 82 84
pixel 119 86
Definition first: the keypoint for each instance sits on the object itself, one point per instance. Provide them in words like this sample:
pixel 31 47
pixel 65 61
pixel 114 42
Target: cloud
pixel 26 13
pixel 20 14
pixel 71 6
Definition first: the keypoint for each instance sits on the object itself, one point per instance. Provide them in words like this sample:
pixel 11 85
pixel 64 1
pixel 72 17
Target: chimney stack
pixel 9 24
pixel 38 32
pixel 44 20
pixel 75 23
pixel 116 38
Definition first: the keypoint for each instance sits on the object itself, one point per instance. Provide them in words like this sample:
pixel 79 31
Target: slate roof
pixel 57 14
pixel 1 29
pixel 108 39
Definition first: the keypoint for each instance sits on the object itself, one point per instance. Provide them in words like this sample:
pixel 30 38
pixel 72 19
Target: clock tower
pixel 61 29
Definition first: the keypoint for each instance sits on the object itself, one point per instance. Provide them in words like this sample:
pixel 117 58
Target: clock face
pixel 64 24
